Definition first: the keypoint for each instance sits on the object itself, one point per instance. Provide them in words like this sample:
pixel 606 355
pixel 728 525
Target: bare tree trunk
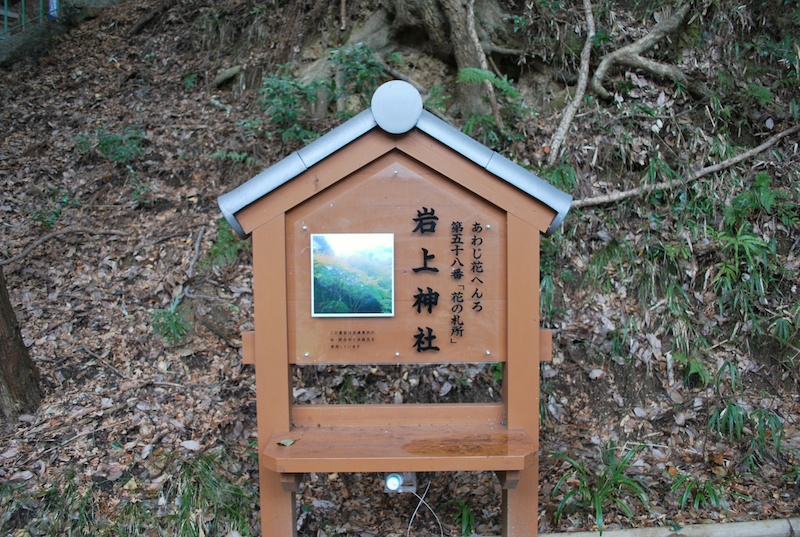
pixel 452 27
pixel 410 13
pixel 19 378
pixel 468 52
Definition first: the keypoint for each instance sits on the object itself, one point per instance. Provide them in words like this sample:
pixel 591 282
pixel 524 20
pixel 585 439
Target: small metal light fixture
pixel 400 482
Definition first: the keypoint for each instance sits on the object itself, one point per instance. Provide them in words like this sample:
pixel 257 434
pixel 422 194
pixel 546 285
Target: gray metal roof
pixel 396 108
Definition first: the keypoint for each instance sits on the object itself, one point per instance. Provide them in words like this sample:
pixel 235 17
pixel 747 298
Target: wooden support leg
pixel 520 508
pixel 509 479
pixel 291 482
pixel 278 517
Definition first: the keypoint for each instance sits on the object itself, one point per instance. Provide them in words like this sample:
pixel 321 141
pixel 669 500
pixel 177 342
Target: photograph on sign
pixel 352 275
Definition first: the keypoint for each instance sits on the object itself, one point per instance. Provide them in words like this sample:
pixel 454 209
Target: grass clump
pixel 121 147
pixel 464 517
pixel 704 493
pixel 200 496
pixel 204 499
pixel 755 431
pixel 792 475
pixel 65 508
pixel 170 323
pixel 595 490
pixel 226 247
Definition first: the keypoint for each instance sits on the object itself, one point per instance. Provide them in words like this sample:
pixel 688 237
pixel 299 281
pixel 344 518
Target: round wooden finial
pixel 396 106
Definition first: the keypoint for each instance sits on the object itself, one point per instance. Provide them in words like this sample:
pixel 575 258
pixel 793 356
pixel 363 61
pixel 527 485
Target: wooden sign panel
pixel 396 264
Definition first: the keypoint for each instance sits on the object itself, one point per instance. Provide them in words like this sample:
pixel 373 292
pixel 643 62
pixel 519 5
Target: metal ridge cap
pixel 454 139
pixel 396 106
pixel 337 138
pixel 558 220
pixel 533 185
pixel 291 166
pixel 498 165
pixel 258 186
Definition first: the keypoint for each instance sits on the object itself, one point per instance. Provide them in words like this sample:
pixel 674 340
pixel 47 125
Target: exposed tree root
pixel 68 229
pixel 144 21
pixel 631 56
pixel 671 185
pixel 226 75
pixel 583 77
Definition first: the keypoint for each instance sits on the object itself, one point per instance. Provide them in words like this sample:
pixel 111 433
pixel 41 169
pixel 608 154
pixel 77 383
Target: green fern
pixel 760 93
pixel 285 100
pixel 473 75
pixel 695 372
pixel 241 158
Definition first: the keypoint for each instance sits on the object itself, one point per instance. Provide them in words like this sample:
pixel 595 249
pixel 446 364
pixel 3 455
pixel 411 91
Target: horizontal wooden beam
pixel 545 346
pixel 406 414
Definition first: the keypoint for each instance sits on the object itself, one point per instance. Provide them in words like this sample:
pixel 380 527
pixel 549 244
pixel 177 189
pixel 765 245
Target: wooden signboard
pixel 396 240
pixel 396 265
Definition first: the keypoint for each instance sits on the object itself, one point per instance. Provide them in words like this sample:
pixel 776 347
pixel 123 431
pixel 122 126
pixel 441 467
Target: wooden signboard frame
pixel 383 183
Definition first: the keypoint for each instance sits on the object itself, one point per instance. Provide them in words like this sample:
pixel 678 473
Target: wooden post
pixel 273 373
pixel 521 378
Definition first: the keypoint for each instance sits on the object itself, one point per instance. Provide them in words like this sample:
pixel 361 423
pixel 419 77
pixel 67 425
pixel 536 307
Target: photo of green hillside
pixel 352 275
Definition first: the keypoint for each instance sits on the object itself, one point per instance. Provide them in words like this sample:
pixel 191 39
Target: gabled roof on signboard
pixel 396 109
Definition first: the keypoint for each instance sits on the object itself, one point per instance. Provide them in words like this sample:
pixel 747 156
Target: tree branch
pixel 702 172
pixel 572 107
pixel 190 272
pixel 63 231
pixel 144 21
pixel 631 55
pixel 105 363
pixel 400 76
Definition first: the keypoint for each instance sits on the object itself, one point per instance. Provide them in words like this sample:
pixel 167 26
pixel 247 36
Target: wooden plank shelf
pixel 405 448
